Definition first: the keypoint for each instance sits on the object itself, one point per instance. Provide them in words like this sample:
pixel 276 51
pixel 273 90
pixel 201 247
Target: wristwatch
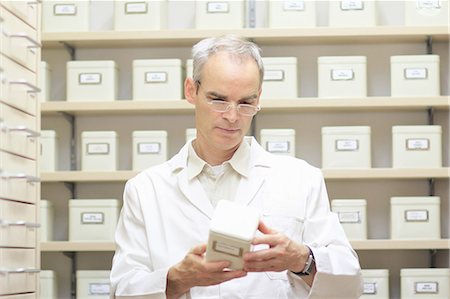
pixel 309 265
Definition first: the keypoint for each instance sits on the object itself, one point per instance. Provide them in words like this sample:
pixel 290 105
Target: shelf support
pixel 431 189
pixel 73 273
pixel 432 257
pixel 430 115
pixel 72 121
pixel 71 50
pixel 429 45
pixel 72 189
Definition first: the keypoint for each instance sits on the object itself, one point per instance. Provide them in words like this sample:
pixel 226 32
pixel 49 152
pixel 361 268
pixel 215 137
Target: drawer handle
pixel 28 38
pixel 29 178
pixel 19 270
pixel 26 83
pixel 4 223
pixel 31 133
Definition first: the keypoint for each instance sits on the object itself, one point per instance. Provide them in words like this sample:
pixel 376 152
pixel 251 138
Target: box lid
pixel 414 58
pixel 342 59
pixel 45 203
pixel 348 202
pixel 93 203
pixel 98 134
pixel 93 274
pixel 235 220
pixel 48 134
pixel 417 129
pixel 150 133
pixel 413 200
pixel 421 272
pixel 47 274
pixel 279 60
pixel 346 130
pixel 156 62
pixel 366 273
pixel 283 132
pixel 92 64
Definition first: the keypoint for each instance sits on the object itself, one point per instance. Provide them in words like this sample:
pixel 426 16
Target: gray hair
pixel 237 46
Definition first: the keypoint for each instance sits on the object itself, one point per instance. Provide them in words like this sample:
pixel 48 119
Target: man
pixel 301 250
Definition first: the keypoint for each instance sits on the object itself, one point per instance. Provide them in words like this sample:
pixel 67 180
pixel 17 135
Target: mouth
pixel 229 130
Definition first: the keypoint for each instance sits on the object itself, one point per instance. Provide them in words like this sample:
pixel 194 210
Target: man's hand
pixel 193 270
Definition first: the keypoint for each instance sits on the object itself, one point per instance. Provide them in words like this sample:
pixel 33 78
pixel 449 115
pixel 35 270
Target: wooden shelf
pixel 262 36
pixel 77 246
pixel 88 176
pixel 279 105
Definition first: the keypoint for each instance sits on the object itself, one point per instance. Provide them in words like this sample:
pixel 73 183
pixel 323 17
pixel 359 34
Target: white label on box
pixel 92 218
pixel 370 288
pixel 64 9
pixel 273 75
pixel 99 289
pixel 135 8
pixel 431 287
pixel 155 77
pixel 352 5
pixel 428 4
pixel 416 215
pixel 417 144
pixel 226 248
pixel 149 148
pixel 342 75
pixel 415 73
pixel 97 148
pixel 277 146
pixel 217 7
pixel 89 78
pixel 293 5
pixel 343 145
pixel 349 217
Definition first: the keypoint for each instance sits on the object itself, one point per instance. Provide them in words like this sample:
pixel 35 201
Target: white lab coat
pixel 164 215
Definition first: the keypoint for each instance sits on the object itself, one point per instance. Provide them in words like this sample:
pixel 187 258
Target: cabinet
pixel 19 132
pixel 306 114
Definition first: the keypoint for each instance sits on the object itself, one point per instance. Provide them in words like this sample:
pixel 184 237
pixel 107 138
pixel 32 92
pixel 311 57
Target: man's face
pixel 233 81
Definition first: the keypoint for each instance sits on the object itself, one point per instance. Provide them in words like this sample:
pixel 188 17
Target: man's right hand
pixel 193 271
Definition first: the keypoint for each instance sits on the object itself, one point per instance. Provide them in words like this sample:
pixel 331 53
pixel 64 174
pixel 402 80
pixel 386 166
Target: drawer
pixel 18 86
pixel 18 273
pixel 18 180
pixel 18 227
pixel 19 41
pixel 18 132
pixel 27 11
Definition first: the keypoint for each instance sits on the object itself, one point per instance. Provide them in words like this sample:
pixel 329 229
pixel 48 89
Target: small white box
pixel 219 14
pixel 232 228
pixel 46 221
pixel 49 151
pixel 292 13
pixel 425 283
pixel 279 141
pixel 280 78
pixel 99 151
pixel 426 12
pixel 191 133
pixel 93 219
pixel 65 16
pixel 342 76
pixel 375 284
pixel 352 13
pixel 352 216
pixel 156 79
pixel 140 15
pixel 415 75
pixel 44 81
pixel 48 285
pixel 417 146
pixel 95 80
pixel 346 147
pixel 93 284
pixel 149 148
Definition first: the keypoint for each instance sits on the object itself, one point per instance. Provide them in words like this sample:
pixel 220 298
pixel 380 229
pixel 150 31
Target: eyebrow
pixel 210 94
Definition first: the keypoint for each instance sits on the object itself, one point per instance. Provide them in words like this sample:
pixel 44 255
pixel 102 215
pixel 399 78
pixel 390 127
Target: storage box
pixel 191 133
pixel 292 13
pixel 416 146
pixel 46 220
pixel 352 13
pixel 352 216
pixel 342 76
pixel 65 16
pixel 219 14
pixel 44 81
pixel 156 79
pixel 426 12
pixel 95 80
pixel 279 141
pixel 425 283
pixel 346 147
pixel 189 68
pixel 93 219
pixel 99 151
pixel 280 78
pixel 232 228
pixel 149 148
pixel 93 284
pixel 49 151
pixel 415 75
pixel 415 217
pixel 375 284
pixel 140 15
pixel 48 285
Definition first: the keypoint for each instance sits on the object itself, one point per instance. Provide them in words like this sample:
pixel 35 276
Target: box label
pixel 89 78
pixel 428 4
pixel 293 5
pixel 342 75
pixel 273 75
pixel 99 289
pixel 97 148
pixel 155 77
pixel 416 215
pixel 349 217
pixel 415 73
pixel 227 249
pixel 217 7
pixel 277 146
pixel 417 144
pixel 352 5
pixel 135 8
pixel 64 9
pixel 427 287
pixel 370 288
pixel 92 218
pixel 344 145
pixel 149 148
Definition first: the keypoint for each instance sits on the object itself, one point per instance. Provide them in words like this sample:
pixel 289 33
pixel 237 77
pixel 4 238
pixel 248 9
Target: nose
pixel 231 114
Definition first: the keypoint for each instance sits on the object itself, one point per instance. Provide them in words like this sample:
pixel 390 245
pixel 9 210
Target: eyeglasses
pixel 244 109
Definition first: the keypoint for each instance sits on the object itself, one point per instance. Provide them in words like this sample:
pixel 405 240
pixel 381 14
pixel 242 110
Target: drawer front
pixel 27 11
pixel 18 132
pixel 18 178
pixel 18 87
pixel 18 227
pixel 18 40
pixel 18 273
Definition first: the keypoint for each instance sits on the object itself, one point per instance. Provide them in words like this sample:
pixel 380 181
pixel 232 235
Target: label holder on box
pixel 273 75
pixel 349 217
pixel 426 287
pixel 290 5
pixel 417 144
pixel 352 5
pixel 132 8
pixel 416 215
pixel 64 10
pixel 92 218
pixel 217 7
pixel 99 289
pixel 227 249
pixel 415 73
pixel 347 145
pixel 97 148
pixel 342 75
pixel 149 148
pixel 278 146
pixel 369 288
pixel 90 78
pixel 156 77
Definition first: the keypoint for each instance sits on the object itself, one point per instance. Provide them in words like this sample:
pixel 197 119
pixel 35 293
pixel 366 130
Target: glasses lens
pixel 219 106
pixel 248 110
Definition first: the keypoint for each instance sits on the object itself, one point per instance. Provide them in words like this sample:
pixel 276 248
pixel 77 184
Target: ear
pixel 190 90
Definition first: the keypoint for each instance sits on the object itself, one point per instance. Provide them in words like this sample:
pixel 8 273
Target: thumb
pixel 199 250
pixel 262 227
